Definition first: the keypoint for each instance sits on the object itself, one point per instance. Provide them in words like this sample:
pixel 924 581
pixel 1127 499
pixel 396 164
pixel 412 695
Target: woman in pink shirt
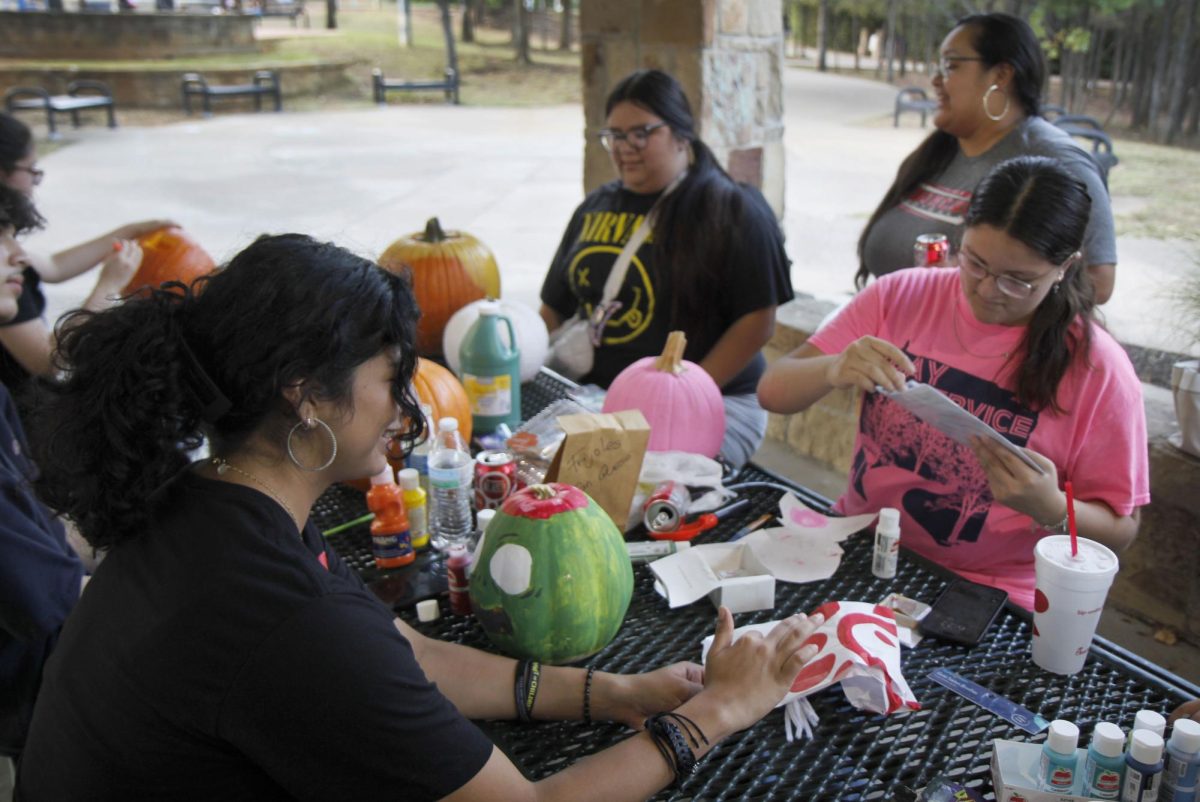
pixel 1010 337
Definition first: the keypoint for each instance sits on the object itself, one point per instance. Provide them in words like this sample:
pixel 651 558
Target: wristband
pixel 672 744
pixel 587 696
pixel 525 688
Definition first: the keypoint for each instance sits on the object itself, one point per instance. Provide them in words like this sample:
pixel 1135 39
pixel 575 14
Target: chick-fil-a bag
pixel 859 647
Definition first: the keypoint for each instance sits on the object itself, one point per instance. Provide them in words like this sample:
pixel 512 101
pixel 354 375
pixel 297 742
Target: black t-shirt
pixel 30 306
pixel 219 657
pixel 754 276
pixel 39 581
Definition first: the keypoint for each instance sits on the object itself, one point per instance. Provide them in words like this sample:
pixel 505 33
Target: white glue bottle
pixel 887 544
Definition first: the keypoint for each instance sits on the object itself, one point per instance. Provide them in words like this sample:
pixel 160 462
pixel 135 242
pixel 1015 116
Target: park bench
pixel 1090 129
pixel 382 85
pixel 291 9
pixel 265 82
pixel 80 95
pixel 912 98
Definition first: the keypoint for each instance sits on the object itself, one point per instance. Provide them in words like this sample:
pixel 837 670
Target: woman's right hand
pixel 751 675
pixel 870 362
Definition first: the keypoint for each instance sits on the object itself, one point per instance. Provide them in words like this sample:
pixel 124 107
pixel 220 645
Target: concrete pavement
pixel 510 176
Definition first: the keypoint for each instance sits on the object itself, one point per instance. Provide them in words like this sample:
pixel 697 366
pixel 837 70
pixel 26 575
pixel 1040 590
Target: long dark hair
pixel 1038 203
pixel 998 39
pixel 16 140
pixel 692 233
pixel 144 382
pixel 18 212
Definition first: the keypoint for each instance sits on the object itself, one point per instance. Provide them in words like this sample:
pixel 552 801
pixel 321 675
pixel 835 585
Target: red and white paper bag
pixel 858 647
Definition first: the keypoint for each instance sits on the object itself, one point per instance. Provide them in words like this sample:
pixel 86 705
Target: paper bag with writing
pixel 602 456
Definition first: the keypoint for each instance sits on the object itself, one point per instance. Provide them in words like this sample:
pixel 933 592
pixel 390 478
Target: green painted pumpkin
pixel 553 580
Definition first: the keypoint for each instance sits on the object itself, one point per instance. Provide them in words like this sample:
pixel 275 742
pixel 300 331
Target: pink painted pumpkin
pixel 680 400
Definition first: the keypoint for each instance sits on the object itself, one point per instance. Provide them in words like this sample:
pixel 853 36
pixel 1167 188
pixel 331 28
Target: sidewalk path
pixel 511 177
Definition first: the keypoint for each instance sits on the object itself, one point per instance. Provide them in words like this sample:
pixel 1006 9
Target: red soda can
pixel 931 250
pixel 665 507
pixel 495 479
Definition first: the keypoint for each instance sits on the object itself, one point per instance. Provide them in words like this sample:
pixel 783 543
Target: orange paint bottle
pixel 391 541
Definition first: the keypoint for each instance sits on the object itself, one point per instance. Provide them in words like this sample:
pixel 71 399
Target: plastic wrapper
pixel 536 441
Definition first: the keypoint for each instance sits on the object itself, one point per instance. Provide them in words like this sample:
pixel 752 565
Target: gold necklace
pixel 223 466
pixel 963 345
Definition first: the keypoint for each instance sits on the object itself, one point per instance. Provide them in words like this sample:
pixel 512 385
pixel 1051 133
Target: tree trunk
pixel 1193 121
pixel 1158 91
pixel 404 22
pixel 1178 88
pixel 1140 87
pixel 1118 73
pixel 856 38
pixel 521 32
pixel 890 48
pixel 448 34
pixel 331 14
pixel 468 20
pixel 822 34
pixel 564 37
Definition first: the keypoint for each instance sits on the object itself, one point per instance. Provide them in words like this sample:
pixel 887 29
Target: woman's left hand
pixel 1014 484
pixel 634 697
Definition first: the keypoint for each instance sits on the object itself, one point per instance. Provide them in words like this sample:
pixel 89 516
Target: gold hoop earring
pixel 308 424
pixel 987 96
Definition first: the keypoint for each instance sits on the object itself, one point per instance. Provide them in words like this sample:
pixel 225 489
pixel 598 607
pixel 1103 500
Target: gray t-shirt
pixel 939 205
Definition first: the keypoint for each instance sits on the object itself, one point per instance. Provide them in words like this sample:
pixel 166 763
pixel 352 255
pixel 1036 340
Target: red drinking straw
pixel 1071 521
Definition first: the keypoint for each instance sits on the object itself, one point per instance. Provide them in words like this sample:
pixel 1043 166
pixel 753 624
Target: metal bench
pixel 448 85
pixel 912 99
pixel 81 95
pixel 1090 129
pixel 264 83
pixel 292 9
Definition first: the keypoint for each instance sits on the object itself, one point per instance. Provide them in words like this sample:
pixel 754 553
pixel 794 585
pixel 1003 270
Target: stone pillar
pixel 727 54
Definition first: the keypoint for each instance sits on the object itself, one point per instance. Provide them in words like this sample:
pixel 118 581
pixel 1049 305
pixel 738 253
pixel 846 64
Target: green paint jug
pixel 490 366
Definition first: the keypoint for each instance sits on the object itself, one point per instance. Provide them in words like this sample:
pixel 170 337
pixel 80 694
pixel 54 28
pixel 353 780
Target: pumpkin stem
pixel 672 356
pixel 433 231
pixel 543 492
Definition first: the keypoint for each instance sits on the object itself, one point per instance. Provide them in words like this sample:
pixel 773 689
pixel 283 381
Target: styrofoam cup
pixel 1068 600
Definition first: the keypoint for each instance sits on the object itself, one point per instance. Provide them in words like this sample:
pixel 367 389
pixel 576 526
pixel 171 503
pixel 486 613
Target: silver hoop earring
pixel 987 95
pixel 309 424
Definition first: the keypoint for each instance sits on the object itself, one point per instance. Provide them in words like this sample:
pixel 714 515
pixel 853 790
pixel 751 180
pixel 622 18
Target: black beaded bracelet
pixel 525 688
pixel 665 731
pixel 587 696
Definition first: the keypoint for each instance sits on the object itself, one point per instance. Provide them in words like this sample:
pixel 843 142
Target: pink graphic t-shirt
pixel 946 508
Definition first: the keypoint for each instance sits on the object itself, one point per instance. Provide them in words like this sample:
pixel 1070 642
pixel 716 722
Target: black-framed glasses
pixel 637 138
pixel 1010 286
pixel 945 62
pixel 33 171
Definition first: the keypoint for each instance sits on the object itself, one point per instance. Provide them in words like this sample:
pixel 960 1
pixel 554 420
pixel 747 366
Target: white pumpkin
pixel 533 341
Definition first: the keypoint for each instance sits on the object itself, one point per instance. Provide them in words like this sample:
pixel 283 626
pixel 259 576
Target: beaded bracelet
pixel 665 732
pixel 587 697
pixel 525 688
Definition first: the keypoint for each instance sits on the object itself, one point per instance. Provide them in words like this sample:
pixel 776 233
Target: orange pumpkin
pixel 169 254
pixel 450 269
pixel 441 390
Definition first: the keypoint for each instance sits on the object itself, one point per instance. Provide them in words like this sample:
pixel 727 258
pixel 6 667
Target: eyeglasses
pixel 1012 287
pixel 946 62
pixel 33 171
pixel 636 138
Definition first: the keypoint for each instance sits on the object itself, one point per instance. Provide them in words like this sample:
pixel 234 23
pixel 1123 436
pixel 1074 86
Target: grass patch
pixel 1165 177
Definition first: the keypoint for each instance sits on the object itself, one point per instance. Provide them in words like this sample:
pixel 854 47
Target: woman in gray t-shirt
pixel 990 78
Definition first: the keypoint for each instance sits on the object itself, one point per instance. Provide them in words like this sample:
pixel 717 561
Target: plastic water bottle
pixel 418 458
pixel 490 363
pixel 451 475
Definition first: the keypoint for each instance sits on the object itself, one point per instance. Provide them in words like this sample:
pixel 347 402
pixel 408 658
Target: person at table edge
pixel 1010 336
pixel 714 264
pixel 222 649
pixel 989 84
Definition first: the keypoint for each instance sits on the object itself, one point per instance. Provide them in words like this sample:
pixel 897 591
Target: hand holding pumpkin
pixel 750 675
pixel 119 267
pixel 631 698
pixel 135 230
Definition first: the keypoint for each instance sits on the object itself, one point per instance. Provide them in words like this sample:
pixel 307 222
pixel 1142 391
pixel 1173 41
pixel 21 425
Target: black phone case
pixel 963 612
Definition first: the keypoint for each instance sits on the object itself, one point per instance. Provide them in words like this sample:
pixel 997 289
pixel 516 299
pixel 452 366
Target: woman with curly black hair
pixel 222 650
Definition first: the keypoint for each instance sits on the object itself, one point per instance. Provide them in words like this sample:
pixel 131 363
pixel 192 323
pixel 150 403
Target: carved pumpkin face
pixel 169 254
pixel 449 269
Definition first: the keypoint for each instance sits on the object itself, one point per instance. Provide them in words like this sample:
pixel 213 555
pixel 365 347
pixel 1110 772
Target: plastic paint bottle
pixel 1104 768
pixel 1182 772
pixel 887 544
pixel 391 542
pixel 490 365
pixel 1148 720
pixel 1056 772
pixel 1143 767
pixel 417 506
pixel 458 566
